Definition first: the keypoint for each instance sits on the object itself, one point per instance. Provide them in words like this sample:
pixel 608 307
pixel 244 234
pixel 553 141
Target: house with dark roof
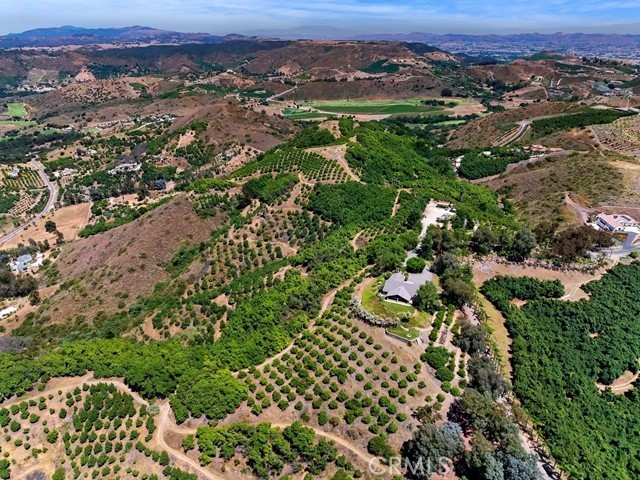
pixel 402 289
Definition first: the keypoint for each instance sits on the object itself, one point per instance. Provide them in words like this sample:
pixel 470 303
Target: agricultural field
pixel 376 107
pixel 312 167
pixel 346 378
pixel 302 114
pixel 90 429
pixel 552 337
pixel 20 196
pixel 16 110
pixel 622 135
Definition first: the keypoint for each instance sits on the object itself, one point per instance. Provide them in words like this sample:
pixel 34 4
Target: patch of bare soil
pixel 69 220
pixel 572 281
pixel 624 383
pixel 332 126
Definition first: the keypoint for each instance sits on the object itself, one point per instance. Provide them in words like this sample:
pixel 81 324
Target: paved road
pixel 53 195
pixel 524 126
pixel 622 249
pixel 274 98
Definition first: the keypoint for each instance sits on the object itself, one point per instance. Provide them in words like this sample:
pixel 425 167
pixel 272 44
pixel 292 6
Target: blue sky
pixel 382 16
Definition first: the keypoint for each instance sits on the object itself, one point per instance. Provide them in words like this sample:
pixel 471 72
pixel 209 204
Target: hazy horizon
pixel 357 16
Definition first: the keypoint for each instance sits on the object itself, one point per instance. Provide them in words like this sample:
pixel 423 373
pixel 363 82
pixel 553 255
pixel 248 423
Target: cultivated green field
pixel 299 114
pixel 16 110
pixel 377 107
pixel 18 123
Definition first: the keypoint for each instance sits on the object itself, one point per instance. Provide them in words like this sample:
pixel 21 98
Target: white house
pixel 615 222
pixel 6 312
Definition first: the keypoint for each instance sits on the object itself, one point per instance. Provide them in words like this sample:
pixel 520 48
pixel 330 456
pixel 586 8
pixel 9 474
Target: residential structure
pixel 25 263
pixel 5 312
pixel 401 289
pixel 125 167
pixel 615 222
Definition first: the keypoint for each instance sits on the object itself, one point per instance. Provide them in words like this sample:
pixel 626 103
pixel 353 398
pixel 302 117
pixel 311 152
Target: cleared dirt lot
pixel 572 281
pixel 69 220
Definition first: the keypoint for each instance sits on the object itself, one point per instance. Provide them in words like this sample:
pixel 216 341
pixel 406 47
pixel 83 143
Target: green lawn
pixel 375 107
pixel 381 107
pixel 406 333
pixel 16 110
pixel 18 123
pixel 306 116
pixel 451 122
pixel 383 309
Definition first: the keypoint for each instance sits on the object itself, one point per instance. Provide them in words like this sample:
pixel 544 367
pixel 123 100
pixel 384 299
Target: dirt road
pixel 164 421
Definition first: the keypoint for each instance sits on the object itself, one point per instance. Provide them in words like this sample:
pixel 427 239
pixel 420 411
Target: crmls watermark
pixel 418 467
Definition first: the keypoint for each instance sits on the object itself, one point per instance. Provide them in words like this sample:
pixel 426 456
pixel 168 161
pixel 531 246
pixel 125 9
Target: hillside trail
pixel 164 421
pixel 396 203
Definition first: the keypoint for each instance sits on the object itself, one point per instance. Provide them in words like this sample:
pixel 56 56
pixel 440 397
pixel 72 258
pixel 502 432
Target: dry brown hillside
pixel 229 123
pixel 483 131
pixel 132 259
pixel 597 178
pixel 309 55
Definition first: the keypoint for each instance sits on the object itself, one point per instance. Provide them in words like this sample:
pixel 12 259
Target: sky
pixel 361 16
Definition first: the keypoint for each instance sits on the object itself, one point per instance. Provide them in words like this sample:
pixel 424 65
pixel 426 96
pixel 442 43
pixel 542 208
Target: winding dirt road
pixel 164 420
pixel 165 423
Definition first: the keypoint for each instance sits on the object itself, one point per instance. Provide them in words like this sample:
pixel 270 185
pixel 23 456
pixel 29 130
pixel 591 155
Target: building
pixel 67 172
pixel 615 222
pixel 15 173
pixel 126 167
pixel 25 263
pixel 401 289
pixel 6 312
pixel 22 263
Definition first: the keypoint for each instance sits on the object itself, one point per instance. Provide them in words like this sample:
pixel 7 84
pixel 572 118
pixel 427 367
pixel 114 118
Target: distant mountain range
pixel 504 47
pixel 69 35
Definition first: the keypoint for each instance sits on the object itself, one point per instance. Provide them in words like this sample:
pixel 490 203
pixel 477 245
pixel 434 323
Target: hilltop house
pixel 615 222
pixel 400 289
